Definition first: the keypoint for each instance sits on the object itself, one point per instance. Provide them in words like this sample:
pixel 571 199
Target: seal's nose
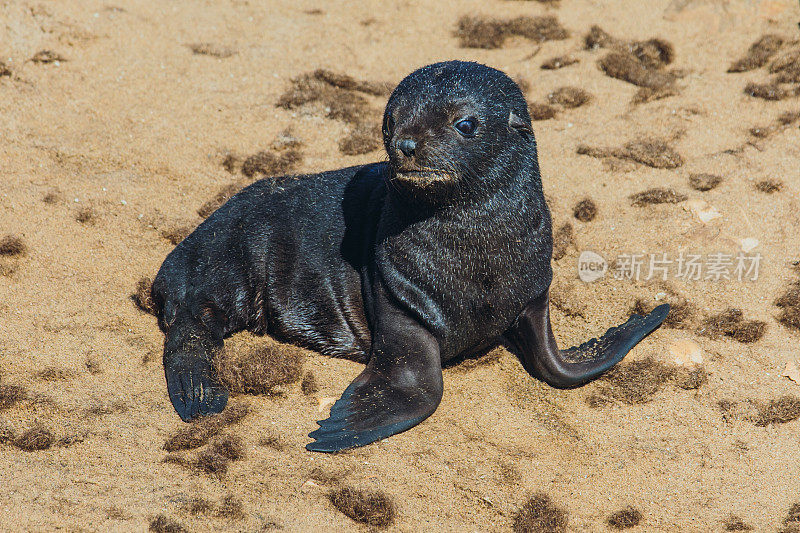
pixel 407 146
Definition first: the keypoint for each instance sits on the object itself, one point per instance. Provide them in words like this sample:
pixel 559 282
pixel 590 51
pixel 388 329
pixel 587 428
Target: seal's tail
pixel 532 336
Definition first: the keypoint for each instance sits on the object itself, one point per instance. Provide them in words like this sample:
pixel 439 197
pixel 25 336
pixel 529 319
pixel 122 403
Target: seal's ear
pixel 518 124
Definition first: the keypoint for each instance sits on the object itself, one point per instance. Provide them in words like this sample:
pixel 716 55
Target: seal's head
pixel 457 128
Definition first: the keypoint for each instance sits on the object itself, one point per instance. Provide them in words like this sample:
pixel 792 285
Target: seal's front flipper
pixel 400 387
pixel 532 336
pixel 193 387
pixel 372 408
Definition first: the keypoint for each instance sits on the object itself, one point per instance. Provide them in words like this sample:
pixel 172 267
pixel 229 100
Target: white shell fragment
pixel 792 372
pixel 748 244
pixel 325 402
pixel 703 210
pixel 686 352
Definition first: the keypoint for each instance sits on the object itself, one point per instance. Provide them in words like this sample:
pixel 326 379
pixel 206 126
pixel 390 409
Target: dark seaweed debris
pixel 12 245
pixel 342 99
pixel 626 67
pixel 374 508
pixel 654 153
pixel 222 196
pixel 771 91
pixel 309 384
pixel 650 94
pixel 638 62
pixel 558 62
pixel 562 240
pixel 260 370
pixel 789 304
pixel 735 523
pixel 791 524
pixel 266 163
pixel 540 111
pixel 198 433
pixel 45 57
pixel 569 97
pixel 231 508
pixel 540 515
pixel 362 139
pixel 625 518
pixel 336 92
pixel 632 383
pixel 777 411
pixel 162 524
pixel 769 186
pixel 758 54
pixel 783 121
pixel 704 182
pixel 784 409
pixel 585 210
pixel 211 49
pixel 10 395
pixel 142 296
pixel 35 439
pixel 731 323
pixel 488 33
pixel 657 195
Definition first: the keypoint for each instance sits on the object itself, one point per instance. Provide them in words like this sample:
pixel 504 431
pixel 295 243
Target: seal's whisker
pixel 450 170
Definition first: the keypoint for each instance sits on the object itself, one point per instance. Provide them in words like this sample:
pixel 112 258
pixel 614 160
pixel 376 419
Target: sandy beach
pixel 667 128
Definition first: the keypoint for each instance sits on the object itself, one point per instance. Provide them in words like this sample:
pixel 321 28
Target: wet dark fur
pixel 405 264
pixel 298 259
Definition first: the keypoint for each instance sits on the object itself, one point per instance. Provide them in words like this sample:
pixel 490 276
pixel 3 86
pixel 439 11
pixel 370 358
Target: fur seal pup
pixel 442 251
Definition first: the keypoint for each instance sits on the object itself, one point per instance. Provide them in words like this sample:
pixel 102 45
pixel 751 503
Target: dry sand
pixel 123 139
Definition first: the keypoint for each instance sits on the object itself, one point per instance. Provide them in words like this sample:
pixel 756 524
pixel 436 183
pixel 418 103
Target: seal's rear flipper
pixel 193 387
pixel 532 336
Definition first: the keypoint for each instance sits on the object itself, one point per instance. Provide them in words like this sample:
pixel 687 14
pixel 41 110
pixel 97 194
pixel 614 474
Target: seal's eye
pixel 466 127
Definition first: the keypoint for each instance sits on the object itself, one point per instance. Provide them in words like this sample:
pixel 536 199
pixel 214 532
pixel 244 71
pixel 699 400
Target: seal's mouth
pixel 423 175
